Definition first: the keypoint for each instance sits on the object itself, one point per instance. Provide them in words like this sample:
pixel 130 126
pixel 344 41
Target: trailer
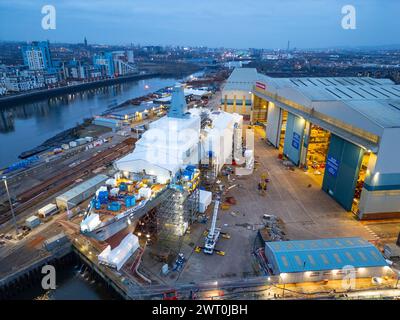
pixel 47 210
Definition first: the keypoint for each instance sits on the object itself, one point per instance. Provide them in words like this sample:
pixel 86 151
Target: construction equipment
pixel 223 234
pixel 180 261
pixel 217 251
pixel 170 295
pixel 262 185
pixel 214 232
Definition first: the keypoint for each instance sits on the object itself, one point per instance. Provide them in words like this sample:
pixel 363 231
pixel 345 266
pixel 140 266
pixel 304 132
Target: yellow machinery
pixel 262 185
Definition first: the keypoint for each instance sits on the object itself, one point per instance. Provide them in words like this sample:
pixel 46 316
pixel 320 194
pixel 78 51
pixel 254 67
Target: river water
pixel 27 125
pixel 72 283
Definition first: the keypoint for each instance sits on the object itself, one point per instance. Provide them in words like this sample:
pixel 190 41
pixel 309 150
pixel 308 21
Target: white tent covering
pixel 220 136
pixel 248 169
pixel 90 222
pixel 205 198
pixel 117 257
pixel 197 92
pixel 168 145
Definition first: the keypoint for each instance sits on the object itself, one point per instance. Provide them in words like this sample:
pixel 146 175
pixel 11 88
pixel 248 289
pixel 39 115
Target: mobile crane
pixel 214 233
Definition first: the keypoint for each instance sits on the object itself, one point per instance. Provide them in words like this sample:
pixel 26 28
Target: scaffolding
pixel 208 171
pixel 175 215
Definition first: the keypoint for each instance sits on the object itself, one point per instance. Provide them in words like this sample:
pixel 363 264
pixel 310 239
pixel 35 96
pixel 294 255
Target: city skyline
pixel 259 24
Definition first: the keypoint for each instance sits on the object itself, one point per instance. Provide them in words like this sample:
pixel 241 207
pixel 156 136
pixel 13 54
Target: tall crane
pixel 214 233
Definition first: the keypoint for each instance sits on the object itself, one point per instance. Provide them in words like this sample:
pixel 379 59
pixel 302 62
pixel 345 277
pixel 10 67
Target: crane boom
pixel 213 233
pixel 214 220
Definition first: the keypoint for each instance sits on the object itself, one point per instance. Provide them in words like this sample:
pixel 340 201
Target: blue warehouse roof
pixel 323 254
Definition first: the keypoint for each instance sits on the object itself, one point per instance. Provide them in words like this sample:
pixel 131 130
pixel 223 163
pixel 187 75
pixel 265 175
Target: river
pixel 27 125
pixel 72 284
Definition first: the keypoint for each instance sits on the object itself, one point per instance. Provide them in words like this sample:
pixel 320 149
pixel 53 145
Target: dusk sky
pixel 213 23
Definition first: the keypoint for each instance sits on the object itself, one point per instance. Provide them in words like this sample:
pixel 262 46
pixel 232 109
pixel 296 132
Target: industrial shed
pixel 80 193
pixel 324 259
pixel 343 131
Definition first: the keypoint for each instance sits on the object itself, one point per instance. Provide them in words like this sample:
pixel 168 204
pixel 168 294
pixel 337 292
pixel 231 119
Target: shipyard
pixel 136 171
pixel 161 212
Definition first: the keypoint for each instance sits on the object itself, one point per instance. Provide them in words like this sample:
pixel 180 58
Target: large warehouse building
pixel 325 259
pixel 343 131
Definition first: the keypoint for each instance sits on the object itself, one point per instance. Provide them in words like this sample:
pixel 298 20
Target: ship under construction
pixel 163 173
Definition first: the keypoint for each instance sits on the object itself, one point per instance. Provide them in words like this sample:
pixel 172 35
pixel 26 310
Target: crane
pixel 213 234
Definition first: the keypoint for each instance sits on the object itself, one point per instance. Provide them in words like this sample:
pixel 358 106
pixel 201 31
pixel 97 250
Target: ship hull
pixel 108 229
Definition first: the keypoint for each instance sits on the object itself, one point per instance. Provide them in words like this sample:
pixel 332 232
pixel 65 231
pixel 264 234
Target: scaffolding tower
pixel 174 216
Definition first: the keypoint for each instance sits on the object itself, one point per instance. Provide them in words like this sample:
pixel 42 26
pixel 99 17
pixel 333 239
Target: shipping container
pixel 32 222
pixel 81 192
pixel 55 242
pixel 80 141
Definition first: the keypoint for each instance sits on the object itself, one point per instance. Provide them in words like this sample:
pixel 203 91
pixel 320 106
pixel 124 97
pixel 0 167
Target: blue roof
pixel 324 254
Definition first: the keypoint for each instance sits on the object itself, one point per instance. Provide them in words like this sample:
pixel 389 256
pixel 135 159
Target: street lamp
pixel 11 205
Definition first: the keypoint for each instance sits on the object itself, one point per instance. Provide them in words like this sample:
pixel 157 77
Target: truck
pixel 47 210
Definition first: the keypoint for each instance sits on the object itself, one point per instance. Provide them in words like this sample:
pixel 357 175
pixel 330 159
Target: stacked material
pixel 117 257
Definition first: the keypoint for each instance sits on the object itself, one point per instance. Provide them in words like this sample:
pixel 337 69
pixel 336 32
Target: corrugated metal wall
pixel 293 138
pixel 342 169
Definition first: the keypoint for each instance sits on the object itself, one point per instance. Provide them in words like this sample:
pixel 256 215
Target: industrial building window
pixel 311 259
pixel 284 260
pixel 337 258
pixel 299 261
pixel 338 243
pixel 348 255
pixel 324 259
pixel 374 255
pixel 362 255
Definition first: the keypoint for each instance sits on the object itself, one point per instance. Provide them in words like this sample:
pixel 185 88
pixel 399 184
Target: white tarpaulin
pixel 168 145
pixel 90 222
pixel 220 136
pixel 117 257
pixel 205 198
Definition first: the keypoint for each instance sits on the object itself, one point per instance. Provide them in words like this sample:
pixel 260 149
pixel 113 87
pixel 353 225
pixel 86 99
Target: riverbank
pixel 48 93
pixel 26 125
pixel 75 280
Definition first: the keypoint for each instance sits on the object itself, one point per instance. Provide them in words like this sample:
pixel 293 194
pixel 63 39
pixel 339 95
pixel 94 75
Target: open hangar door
pixel 314 153
pixel 273 124
pixel 293 138
pixel 343 178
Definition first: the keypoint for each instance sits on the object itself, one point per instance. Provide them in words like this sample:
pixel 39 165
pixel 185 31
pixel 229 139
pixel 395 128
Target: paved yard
pixel 307 213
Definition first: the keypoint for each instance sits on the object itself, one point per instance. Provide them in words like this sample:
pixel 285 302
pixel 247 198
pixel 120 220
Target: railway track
pixel 66 178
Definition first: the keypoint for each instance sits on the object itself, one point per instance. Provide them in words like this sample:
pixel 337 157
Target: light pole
pixel 11 205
